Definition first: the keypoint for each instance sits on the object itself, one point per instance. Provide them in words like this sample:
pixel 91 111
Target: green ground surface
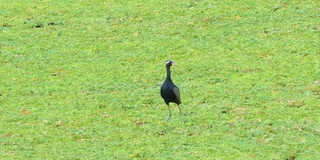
pixel 81 79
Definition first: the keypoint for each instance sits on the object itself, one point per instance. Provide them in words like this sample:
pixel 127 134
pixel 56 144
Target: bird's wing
pixel 177 93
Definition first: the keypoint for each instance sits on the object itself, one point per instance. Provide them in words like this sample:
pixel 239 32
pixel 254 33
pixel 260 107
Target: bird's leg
pixel 181 115
pixel 169 114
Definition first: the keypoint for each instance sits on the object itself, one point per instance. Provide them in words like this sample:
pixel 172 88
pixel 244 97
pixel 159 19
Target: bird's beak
pixel 174 63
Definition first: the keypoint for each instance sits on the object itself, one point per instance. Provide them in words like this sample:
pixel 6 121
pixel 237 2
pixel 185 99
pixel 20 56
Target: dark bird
pixel 170 92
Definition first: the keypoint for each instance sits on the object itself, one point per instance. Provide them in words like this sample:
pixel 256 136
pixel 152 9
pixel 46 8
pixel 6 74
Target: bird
pixel 170 92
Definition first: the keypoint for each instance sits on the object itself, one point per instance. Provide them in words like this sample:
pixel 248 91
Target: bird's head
pixel 169 63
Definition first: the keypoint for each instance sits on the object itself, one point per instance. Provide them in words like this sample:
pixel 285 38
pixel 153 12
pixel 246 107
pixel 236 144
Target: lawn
pixel 81 80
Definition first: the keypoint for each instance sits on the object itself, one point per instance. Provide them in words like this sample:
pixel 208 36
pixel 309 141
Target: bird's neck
pixel 168 74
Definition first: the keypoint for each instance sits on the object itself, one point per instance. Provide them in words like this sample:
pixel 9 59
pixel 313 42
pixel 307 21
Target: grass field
pixel 81 79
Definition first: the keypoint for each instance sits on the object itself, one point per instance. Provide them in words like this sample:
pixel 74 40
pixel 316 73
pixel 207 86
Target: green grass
pixel 81 80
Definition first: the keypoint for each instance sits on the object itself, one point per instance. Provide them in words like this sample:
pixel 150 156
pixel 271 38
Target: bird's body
pixel 170 92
